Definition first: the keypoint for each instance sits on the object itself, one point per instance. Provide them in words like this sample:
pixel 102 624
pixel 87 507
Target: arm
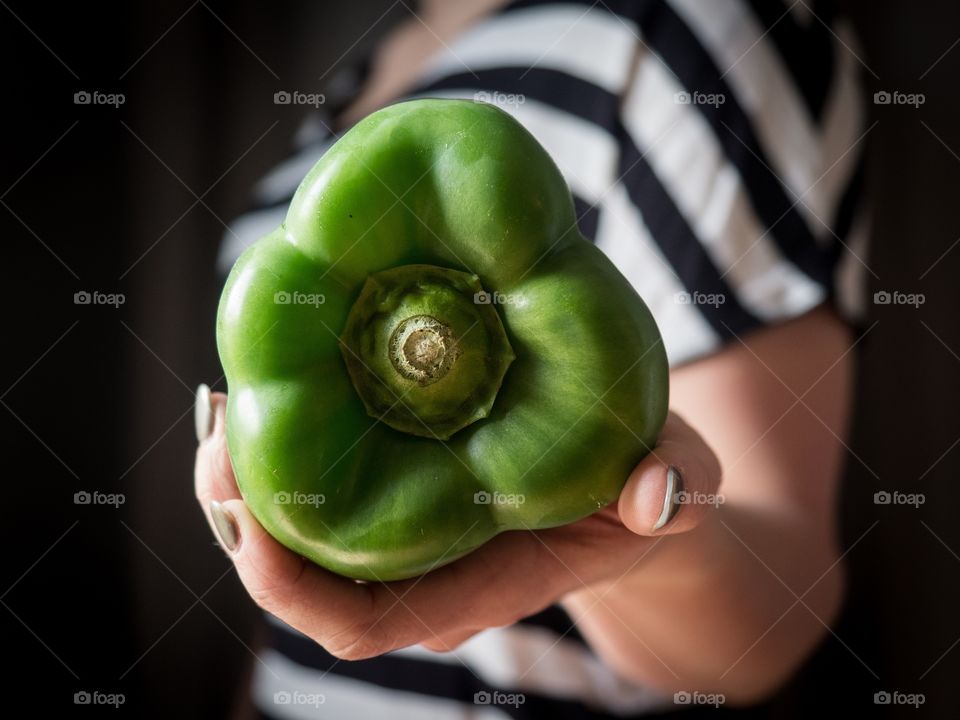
pixel 680 604
pixel 735 605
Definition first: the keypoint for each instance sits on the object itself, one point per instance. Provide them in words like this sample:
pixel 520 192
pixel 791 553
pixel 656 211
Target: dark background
pixel 138 599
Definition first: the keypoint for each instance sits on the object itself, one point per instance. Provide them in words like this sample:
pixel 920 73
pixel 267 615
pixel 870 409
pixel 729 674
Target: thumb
pixel 675 486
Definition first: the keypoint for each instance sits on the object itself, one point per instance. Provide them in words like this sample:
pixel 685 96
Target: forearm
pixel 717 609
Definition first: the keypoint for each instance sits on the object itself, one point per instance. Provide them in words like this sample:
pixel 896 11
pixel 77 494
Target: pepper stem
pixel 425 353
pixel 423 349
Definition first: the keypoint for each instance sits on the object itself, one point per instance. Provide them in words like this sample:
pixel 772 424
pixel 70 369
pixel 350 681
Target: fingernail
pixel 228 531
pixel 671 498
pixel 203 413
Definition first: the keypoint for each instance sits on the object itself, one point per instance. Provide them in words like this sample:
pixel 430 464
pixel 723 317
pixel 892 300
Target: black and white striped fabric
pixel 713 148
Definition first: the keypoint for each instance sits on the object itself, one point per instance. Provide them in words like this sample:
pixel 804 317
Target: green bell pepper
pixel 427 352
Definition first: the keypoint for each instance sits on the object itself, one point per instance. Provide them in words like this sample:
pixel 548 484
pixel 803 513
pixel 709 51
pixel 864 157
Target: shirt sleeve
pixel 739 175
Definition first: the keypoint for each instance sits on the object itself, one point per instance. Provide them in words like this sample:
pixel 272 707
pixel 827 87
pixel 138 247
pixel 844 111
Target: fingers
pixel 495 585
pixel 510 577
pixel 675 486
pixel 355 621
pixel 213 477
pixel 350 620
pixel 450 641
pixel 336 612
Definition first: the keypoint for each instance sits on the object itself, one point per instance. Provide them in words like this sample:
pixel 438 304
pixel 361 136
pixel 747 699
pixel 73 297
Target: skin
pixel 726 599
pixel 776 530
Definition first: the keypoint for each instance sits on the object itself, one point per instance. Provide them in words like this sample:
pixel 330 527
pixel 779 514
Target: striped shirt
pixel 714 153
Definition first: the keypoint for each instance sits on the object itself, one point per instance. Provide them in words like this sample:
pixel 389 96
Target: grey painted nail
pixel 226 524
pixel 203 413
pixel 671 498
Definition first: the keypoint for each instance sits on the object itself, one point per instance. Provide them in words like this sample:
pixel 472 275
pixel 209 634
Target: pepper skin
pixel 427 352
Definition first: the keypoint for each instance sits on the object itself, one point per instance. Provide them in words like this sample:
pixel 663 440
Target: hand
pixel 514 575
